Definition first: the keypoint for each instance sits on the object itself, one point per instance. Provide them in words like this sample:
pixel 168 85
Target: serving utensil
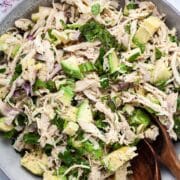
pixel 165 152
pixel 145 165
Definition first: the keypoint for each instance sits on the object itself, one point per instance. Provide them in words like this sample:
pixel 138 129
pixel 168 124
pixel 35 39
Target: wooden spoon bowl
pixel 145 165
pixel 165 151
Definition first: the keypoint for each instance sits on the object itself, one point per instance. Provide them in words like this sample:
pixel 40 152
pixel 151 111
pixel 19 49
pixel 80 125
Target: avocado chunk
pixel 3 126
pixel 71 128
pixel 160 74
pixel 84 112
pixel 61 37
pixel 43 12
pixel 69 113
pixel 49 176
pixel 67 95
pixel 147 28
pixel 133 55
pixel 118 158
pixel 113 62
pixel 7 47
pixel 36 162
pixel 71 68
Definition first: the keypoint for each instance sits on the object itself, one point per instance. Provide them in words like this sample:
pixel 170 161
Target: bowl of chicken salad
pixel 81 81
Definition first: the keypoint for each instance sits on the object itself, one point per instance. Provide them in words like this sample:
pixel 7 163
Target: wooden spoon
pixel 145 165
pixel 165 151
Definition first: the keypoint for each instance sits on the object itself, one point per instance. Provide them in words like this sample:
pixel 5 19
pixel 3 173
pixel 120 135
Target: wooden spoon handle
pixel 168 155
pixel 170 160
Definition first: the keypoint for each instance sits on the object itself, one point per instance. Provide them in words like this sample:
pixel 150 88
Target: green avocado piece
pixel 134 54
pixel 147 28
pixel 68 94
pixel 71 68
pixel 84 112
pixel 3 126
pixel 113 62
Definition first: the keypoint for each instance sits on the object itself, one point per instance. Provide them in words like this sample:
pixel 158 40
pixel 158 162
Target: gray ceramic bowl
pixel 9 159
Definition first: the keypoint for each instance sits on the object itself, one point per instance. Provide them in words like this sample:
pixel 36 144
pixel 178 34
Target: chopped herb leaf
pixel 100 60
pixel 59 122
pixel 173 38
pixel 96 9
pixel 31 138
pixel 128 28
pixel 158 53
pixel 111 105
pixel 22 119
pixel 48 148
pixel 17 73
pixel 101 124
pixel 104 82
pixel 132 5
pixel 50 85
pixel 11 134
pixel 178 104
pixel 92 31
pixel 140 117
pixel 3 70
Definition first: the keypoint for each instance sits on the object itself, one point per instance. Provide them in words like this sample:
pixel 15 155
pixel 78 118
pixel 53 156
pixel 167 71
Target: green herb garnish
pixel 96 9
pixel 31 138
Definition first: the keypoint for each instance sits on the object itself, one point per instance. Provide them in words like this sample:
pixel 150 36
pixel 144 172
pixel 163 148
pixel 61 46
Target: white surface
pixel 176 3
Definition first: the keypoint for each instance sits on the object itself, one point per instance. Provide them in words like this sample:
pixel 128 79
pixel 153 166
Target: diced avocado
pixel 142 35
pixel 71 128
pixel 113 62
pixel 117 158
pixel 3 126
pixel 43 12
pixel 133 55
pixel 71 68
pixel 84 112
pixel 70 114
pixel 24 24
pixel 3 44
pixel 67 95
pixel 61 37
pixel 161 73
pixel 36 162
pixel 126 11
pixel 147 28
pixel 129 109
pixel 49 176
pixel 6 47
pixel 152 24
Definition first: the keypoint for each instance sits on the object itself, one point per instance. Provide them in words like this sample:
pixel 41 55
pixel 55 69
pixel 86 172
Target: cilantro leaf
pixel 93 31
pixel 17 73
pixel 31 138
pixel 59 122
pixel 50 85
pixel 96 9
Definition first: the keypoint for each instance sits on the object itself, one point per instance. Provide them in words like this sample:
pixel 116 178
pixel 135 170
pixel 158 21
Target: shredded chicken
pixel 80 81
